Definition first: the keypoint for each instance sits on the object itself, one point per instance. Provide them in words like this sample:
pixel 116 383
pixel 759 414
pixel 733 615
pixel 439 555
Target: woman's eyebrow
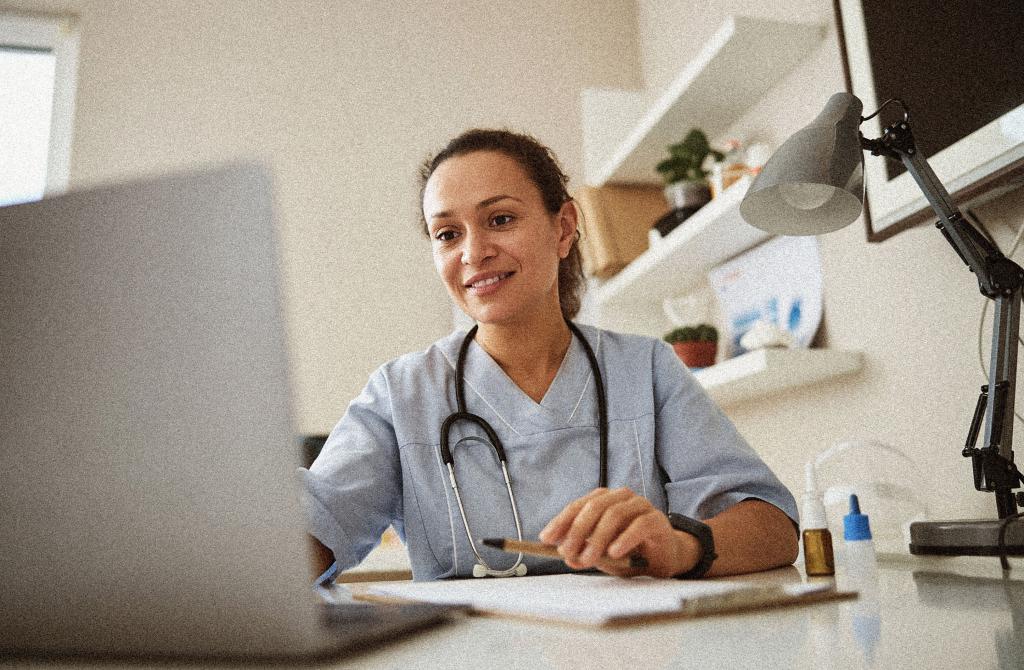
pixel 494 199
pixel 487 202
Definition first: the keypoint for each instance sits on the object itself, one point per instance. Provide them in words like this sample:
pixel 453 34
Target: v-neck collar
pixel 561 405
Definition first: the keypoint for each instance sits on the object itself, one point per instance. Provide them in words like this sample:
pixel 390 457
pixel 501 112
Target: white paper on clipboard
pixel 778 282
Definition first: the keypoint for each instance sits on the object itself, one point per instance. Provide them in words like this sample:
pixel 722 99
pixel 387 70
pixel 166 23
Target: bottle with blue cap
pixel 862 577
pixel 860 549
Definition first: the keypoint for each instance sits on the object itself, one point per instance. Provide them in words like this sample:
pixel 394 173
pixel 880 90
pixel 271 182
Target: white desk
pixel 930 613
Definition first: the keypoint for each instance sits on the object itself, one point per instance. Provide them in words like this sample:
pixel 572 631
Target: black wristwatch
pixel 702 532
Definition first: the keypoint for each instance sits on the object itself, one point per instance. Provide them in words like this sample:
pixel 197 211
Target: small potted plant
pixel 685 177
pixel 696 346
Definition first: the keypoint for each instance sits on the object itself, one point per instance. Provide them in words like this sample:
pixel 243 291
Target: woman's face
pixel 495 245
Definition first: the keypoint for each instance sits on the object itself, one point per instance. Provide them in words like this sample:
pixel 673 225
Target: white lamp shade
pixel 813 183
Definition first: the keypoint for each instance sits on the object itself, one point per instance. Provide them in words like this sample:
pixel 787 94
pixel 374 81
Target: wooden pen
pixel 634 561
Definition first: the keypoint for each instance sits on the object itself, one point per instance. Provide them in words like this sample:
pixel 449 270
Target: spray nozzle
pixel 810 485
pixel 813 512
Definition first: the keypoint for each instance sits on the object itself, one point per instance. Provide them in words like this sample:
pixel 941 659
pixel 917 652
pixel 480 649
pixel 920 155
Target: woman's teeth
pixel 488 282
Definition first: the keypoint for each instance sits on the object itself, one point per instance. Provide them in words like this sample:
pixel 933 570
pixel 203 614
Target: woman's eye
pixel 445 236
pixel 501 219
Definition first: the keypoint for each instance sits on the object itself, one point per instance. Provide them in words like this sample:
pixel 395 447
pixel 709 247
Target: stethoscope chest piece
pixel 480 569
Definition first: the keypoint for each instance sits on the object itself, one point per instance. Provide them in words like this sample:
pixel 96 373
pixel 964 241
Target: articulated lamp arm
pixel 996 273
pixel 1000 279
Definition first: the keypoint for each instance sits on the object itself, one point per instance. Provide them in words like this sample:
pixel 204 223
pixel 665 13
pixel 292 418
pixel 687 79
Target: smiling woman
pixel 569 411
pixel 535 171
pixel 495 245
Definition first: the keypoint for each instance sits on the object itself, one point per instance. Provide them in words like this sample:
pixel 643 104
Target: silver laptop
pixel 148 500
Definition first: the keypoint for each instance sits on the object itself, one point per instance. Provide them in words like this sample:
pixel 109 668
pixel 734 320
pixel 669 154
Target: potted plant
pixel 685 177
pixel 696 346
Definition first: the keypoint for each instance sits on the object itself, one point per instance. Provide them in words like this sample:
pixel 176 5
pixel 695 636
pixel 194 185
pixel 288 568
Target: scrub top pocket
pixel 631 459
pixel 428 504
pixel 432 512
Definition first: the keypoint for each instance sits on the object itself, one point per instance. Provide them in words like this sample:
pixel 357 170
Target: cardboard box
pixel 615 223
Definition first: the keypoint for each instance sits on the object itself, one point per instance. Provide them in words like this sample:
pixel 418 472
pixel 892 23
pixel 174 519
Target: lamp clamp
pixel 878 147
pixel 896 139
pixel 898 136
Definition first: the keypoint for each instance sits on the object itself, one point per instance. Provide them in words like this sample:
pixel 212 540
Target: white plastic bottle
pixel 860 549
pixel 862 576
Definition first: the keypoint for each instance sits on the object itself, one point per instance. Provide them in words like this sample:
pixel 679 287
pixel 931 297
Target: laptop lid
pixel 147 489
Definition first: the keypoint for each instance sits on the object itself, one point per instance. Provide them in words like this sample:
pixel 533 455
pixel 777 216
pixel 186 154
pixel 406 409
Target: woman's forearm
pixel 750 536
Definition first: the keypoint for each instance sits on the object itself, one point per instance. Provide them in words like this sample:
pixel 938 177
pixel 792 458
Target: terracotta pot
pixel 696 354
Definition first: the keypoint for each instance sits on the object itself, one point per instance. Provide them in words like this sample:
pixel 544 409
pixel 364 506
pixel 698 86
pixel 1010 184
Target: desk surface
pixel 928 613
pixel 925 613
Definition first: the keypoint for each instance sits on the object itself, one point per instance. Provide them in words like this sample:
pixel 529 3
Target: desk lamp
pixel 813 184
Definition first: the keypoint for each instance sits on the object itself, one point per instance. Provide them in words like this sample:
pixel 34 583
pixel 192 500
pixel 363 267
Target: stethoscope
pixel 482 569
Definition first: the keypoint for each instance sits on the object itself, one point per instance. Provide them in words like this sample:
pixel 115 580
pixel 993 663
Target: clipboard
pixel 604 601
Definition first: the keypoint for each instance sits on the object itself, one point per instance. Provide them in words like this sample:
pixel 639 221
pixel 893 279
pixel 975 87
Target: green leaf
pixel 686 158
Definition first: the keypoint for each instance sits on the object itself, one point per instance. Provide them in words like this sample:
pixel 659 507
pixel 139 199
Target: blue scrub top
pixel 382 466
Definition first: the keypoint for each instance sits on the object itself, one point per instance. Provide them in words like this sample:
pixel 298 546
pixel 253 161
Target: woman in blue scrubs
pixel 684 490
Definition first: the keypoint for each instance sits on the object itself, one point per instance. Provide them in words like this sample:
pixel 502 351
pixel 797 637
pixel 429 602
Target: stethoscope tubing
pixel 602 404
pixel 482 568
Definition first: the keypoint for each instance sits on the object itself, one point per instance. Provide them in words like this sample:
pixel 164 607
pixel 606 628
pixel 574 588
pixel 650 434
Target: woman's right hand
pixel 617 523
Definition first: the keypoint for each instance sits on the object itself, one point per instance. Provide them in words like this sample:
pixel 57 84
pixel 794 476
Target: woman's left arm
pixel 750 536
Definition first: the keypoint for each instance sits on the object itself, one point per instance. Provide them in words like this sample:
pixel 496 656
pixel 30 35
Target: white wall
pixel 908 303
pixel 343 99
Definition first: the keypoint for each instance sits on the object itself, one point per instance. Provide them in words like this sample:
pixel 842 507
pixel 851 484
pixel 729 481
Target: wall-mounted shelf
pixel 764 372
pixel 625 135
pixel 681 260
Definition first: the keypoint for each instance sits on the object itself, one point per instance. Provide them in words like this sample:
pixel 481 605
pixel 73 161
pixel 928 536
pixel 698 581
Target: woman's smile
pixel 487 283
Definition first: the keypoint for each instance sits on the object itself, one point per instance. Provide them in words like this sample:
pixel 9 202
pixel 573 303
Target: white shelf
pixel 624 137
pixel 768 371
pixel 681 260
pixel 627 133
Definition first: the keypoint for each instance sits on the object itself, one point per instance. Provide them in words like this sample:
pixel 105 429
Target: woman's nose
pixel 476 247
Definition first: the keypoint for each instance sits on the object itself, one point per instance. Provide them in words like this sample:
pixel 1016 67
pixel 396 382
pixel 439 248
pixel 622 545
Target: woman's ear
pixel 568 223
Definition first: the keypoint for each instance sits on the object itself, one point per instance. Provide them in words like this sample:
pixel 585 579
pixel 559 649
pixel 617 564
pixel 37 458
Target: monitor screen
pixel 956 66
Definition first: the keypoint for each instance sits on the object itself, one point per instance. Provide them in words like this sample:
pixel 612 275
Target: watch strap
pixel 702 532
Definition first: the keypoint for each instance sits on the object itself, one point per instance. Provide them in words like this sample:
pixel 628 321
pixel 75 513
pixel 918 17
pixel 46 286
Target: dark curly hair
pixel 543 170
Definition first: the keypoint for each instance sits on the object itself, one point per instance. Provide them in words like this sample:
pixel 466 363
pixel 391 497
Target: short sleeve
pixel 353 490
pixel 709 465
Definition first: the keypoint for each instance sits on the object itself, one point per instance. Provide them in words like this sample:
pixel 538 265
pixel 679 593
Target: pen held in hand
pixel 634 561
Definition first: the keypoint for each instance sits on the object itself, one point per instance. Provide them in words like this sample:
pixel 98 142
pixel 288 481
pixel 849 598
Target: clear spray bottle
pixel 818 558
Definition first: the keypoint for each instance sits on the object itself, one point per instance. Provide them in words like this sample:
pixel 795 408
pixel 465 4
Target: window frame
pixel 60 36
